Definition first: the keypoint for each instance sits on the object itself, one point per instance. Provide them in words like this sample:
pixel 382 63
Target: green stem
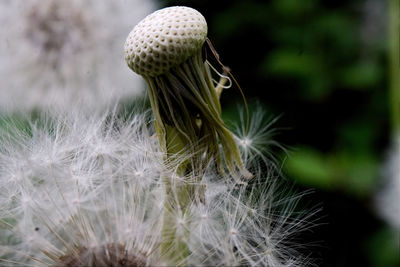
pixel 178 198
pixel 394 63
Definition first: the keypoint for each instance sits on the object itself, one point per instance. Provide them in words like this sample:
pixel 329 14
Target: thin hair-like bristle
pixel 80 190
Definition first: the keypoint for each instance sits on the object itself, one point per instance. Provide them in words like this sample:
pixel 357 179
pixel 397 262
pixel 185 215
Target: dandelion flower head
pixel 66 54
pixel 85 191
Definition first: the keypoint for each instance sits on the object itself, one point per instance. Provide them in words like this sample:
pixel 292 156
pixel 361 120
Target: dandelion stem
pixel 173 245
pixel 189 126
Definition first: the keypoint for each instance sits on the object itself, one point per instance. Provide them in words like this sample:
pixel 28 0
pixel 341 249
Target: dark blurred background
pixel 322 67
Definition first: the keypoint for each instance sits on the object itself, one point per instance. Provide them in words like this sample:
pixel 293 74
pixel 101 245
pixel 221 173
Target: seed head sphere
pixel 165 39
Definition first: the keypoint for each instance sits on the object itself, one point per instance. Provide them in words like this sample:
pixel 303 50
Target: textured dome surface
pixel 165 39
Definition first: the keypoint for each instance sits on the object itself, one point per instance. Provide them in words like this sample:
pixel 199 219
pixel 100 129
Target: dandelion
pixel 100 190
pixel 165 48
pixel 71 194
pixel 66 54
pixel 91 191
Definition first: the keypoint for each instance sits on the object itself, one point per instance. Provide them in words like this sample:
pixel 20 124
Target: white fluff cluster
pixel 388 198
pixel 79 191
pixel 66 54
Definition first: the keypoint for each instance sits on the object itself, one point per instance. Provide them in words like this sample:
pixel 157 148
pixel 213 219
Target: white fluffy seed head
pixel 90 190
pixel 67 55
pixel 164 39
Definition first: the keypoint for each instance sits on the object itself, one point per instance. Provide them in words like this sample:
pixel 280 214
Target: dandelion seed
pixel 256 142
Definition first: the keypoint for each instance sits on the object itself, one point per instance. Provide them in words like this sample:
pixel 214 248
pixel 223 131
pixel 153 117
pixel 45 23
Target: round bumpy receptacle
pixel 164 39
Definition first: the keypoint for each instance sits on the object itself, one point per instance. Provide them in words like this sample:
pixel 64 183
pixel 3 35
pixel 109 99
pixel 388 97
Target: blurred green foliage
pixel 322 65
pixel 383 248
pixel 334 171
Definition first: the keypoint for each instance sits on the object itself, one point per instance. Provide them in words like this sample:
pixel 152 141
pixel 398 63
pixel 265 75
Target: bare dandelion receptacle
pixel 165 39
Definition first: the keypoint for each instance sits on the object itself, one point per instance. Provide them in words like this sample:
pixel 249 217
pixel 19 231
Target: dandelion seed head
pixel 107 255
pixel 90 214
pixel 65 55
pixel 83 210
pixel 55 32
